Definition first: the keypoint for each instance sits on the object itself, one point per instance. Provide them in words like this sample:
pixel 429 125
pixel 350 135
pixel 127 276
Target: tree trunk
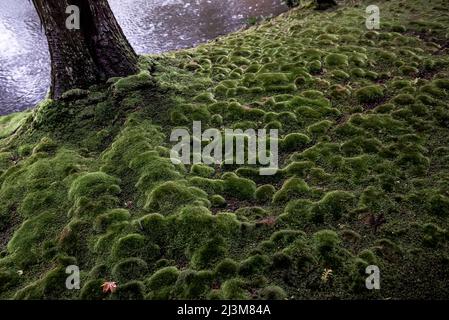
pixel 325 4
pixel 79 58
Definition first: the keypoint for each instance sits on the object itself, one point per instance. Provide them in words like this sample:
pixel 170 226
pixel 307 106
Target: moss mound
pixel 362 180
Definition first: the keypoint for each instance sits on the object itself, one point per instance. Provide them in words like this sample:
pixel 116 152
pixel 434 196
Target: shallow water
pixel 152 26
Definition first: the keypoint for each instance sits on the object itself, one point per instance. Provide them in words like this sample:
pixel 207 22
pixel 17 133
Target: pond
pixel 152 26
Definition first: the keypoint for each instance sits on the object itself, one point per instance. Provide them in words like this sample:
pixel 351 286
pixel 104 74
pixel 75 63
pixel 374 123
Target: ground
pixel 363 117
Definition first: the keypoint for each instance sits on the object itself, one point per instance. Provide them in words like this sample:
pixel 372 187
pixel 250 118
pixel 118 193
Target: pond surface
pixel 152 26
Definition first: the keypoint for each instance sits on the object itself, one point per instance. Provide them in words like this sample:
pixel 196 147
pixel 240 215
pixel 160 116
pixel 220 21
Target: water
pixel 152 26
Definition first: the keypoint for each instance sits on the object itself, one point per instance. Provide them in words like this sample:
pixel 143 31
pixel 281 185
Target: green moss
pixel 193 285
pixel 439 205
pixel 225 269
pixel 234 289
pixel 294 141
pixel 265 193
pixel 129 269
pixel 170 196
pixel 336 59
pixel 93 192
pixel 8 279
pixel 340 75
pixel 46 145
pixel 335 204
pixel 211 186
pixel 314 66
pixel 326 242
pixel 369 93
pixel 254 265
pixel 202 170
pixel 292 188
pixel 218 201
pixel 11 122
pixel 319 128
pixel 210 253
pixel 253 213
pixel 135 245
pixel 240 188
pixel 433 235
pixel 103 221
pixel 161 283
pixel 205 97
pixel 92 290
pixel 404 99
pixel 132 83
pixel 132 290
pixel 273 293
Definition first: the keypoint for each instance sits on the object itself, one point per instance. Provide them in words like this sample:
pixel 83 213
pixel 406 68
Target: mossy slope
pixel 364 123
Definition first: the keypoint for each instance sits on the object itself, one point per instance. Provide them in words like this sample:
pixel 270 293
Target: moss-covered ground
pixel 364 130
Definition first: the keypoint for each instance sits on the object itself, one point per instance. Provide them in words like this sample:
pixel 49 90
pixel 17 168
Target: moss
pixel 234 289
pixel 293 187
pixel 132 83
pixel 369 256
pixel 218 201
pixel 211 186
pixel 270 79
pixel 154 226
pixel 92 290
pixel 439 205
pixel 240 188
pixel 275 124
pixel 319 128
pixel 32 232
pixel 326 242
pixel 202 170
pixel 387 248
pixel 340 75
pixel 135 245
pixel 351 235
pixel 281 261
pixel 254 265
pixel 216 119
pixel 294 141
pixel 408 70
pixel 273 293
pixel 404 99
pixel 210 253
pixel 8 279
pixel 265 193
pixel 298 168
pixel 335 204
pixel 205 97
pixel 314 66
pixel 193 285
pixel 11 122
pixel 253 213
pixel 103 221
pixel 161 283
pixel 46 145
pixel 70 166
pixel 226 269
pixel 336 59
pixel 129 269
pixel 93 192
pixel 170 196
pixel 369 94
pixel 133 290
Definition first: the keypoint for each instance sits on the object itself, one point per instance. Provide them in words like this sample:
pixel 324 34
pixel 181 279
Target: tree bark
pixel 325 4
pixel 96 52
